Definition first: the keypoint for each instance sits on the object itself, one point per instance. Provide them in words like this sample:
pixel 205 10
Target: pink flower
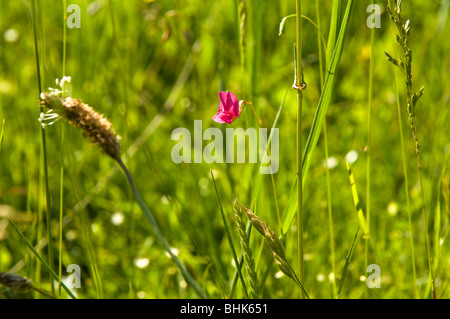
pixel 229 108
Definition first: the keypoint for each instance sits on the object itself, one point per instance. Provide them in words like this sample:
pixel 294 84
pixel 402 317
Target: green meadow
pixel 358 94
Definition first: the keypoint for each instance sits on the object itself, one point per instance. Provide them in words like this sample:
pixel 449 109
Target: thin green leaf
pixel 230 239
pixel 260 178
pixel 361 218
pixel 1 134
pixel 38 256
pixel 335 25
pixel 347 262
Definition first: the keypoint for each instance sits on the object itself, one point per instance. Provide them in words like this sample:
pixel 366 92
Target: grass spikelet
pixel 405 65
pixel 275 244
pixel 249 262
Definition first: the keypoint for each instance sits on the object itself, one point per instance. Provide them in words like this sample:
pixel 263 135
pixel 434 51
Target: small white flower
pixel 117 218
pixel 331 162
pixel 392 208
pixel 352 156
pixel 65 79
pixel 331 277
pixel 11 35
pixel 141 262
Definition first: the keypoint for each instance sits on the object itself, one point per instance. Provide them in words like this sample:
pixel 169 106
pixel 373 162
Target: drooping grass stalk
pixel 327 170
pixel 282 27
pixel 187 276
pixel 44 165
pixel 299 86
pixel 99 130
pixel 275 245
pixel 405 65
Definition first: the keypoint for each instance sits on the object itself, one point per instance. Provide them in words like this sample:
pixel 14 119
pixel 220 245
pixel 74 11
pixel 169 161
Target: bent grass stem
pixel 187 276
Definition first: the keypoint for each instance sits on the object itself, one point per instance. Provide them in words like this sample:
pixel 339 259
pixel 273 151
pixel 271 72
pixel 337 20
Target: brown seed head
pixel 94 125
pixel 15 282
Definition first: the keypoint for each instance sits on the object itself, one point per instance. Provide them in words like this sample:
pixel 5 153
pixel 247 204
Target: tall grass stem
pixel 369 143
pixel 44 166
pixel 299 152
pixel 325 139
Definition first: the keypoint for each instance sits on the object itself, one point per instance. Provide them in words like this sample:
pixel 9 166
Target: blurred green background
pixel 153 66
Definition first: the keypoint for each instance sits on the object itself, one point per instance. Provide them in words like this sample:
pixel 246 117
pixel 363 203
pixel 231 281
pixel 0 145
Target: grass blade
pixel 2 134
pixel 347 262
pixel 259 179
pixel 38 256
pixel 230 240
pixel 361 218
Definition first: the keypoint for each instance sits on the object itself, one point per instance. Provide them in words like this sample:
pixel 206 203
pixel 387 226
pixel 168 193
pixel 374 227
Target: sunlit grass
pixel 153 66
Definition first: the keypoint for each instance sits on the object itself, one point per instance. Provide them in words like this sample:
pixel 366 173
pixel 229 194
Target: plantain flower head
pixel 95 127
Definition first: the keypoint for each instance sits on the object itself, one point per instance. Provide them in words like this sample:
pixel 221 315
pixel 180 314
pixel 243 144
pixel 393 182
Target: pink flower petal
pixel 223 101
pixel 229 108
pixel 223 117
pixel 233 104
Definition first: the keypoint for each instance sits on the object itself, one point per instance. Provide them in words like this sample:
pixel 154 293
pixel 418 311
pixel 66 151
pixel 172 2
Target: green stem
pixel 44 148
pixel 325 138
pixel 61 189
pixel 298 76
pixel 408 202
pixel 405 174
pixel 369 145
pixel 187 276
pixel 299 284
